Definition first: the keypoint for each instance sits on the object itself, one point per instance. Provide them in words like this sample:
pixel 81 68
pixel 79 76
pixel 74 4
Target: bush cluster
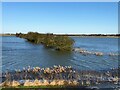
pixel 49 40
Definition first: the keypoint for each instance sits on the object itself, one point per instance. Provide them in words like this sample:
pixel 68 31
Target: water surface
pixel 18 53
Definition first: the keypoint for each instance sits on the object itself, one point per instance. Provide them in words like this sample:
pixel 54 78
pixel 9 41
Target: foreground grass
pixel 42 87
pixel 47 86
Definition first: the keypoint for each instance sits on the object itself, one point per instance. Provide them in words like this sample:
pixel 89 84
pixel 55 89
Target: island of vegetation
pixel 61 43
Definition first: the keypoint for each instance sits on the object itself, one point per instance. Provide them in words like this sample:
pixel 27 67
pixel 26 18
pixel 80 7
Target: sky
pixel 60 17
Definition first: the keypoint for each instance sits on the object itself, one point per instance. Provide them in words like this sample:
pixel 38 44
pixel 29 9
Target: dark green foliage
pixel 63 43
pixel 49 40
pixel 32 37
pixel 20 35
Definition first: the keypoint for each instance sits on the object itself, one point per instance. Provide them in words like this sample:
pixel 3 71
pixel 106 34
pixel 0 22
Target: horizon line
pixel 68 33
pixel 59 0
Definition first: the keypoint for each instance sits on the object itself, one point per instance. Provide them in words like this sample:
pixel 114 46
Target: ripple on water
pixel 94 62
pixel 17 53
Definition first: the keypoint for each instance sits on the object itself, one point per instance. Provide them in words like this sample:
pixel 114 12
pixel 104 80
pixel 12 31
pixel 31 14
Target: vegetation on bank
pixel 49 40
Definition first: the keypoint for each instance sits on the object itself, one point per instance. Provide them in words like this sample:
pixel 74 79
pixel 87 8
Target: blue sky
pixel 60 17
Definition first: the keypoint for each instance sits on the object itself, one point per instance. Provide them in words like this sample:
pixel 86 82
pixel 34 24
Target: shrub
pixel 49 40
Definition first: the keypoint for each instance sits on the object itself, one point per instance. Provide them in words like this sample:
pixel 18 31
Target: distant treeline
pixel 113 35
pixel 7 34
pixel 49 40
pixel 88 34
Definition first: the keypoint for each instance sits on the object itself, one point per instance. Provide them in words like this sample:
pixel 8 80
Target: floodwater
pixel 18 53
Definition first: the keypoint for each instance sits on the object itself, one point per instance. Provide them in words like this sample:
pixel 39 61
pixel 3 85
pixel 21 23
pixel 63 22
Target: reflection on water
pixel 18 53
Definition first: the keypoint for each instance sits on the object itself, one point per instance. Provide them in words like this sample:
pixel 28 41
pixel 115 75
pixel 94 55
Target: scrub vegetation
pixel 57 42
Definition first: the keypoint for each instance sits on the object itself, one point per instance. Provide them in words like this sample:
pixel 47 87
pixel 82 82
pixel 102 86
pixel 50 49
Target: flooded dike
pixel 58 76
